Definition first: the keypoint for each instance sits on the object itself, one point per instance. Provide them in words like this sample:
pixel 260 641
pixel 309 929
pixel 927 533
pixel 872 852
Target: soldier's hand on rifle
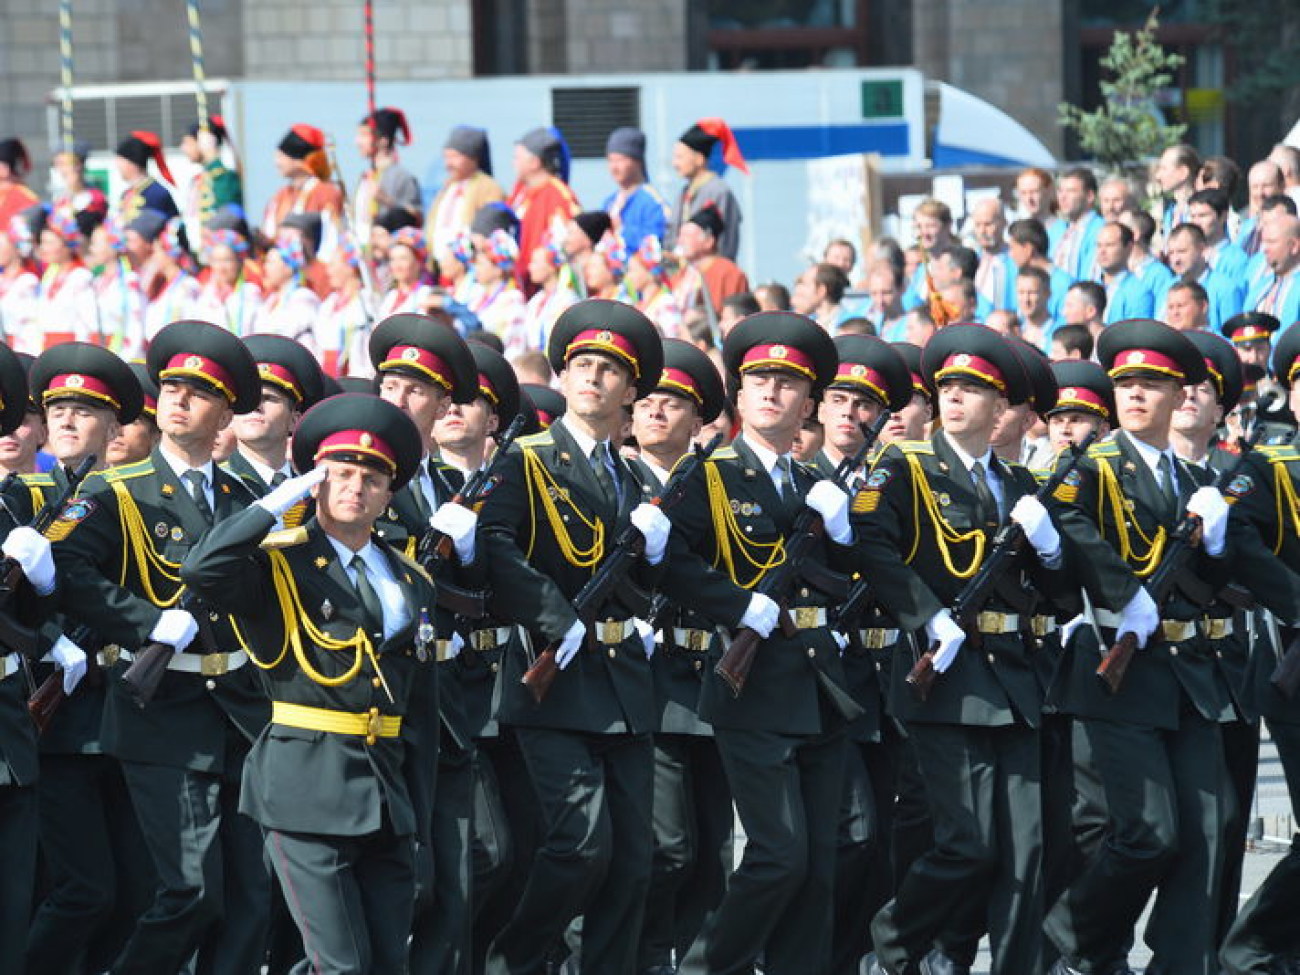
pixel 71 659
pixel 1030 514
pixel 1208 505
pixel 1140 617
pixel 460 524
pixel 654 527
pixel 830 501
pixel 946 637
pixel 647 635
pixel 176 628
pixel 762 615
pixel 31 550
pixel 570 644
pixel 281 499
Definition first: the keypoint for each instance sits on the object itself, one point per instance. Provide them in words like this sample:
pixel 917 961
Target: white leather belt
pixel 697 641
pixel 1171 631
pixel 1041 626
pixel 613 632
pixel 10 665
pixel 876 638
pixel 207 664
pixel 490 638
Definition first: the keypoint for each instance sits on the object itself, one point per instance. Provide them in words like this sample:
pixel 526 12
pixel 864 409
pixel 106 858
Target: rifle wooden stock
pixel 541 675
pixel 921 676
pixel 43 704
pixel 1114 665
pixel 1286 675
pixel 146 672
pixel 737 659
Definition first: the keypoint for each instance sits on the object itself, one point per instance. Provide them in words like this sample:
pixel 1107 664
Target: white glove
pixel 460 524
pixel 1068 628
pixel 762 615
pixel 176 628
pixel 1028 512
pixel 571 644
pixel 1140 617
pixel 31 550
pixel 1208 505
pixel 647 634
pixel 291 491
pixel 832 504
pixel 455 645
pixel 71 660
pixel 944 631
pixel 655 527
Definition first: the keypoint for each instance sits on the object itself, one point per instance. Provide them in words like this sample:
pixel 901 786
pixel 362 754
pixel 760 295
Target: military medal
pixel 424 636
pixel 160 529
pixel 167 490
pixel 327 609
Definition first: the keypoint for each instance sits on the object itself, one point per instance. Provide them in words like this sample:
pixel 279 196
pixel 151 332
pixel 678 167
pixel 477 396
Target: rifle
pixel 978 591
pixel 848 612
pixel 1170 574
pixel 614 568
pixel 146 671
pixel 47 698
pixel 435 547
pixel 11 573
pixel 777 583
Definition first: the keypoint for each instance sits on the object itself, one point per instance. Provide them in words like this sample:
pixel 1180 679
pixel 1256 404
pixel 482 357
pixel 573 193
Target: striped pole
pixel 196 62
pixel 369 14
pixel 65 73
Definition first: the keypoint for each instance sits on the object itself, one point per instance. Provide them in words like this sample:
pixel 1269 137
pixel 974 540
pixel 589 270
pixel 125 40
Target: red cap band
pixel 859 376
pixel 1081 398
pixel 778 356
pixel 428 365
pixel 362 443
pixel 545 419
pixel 80 385
pixel 607 341
pixel 1215 375
pixel 485 387
pixel 680 381
pixel 1251 333
pixel 187 365
pixel 278 375
pixel 967 366
pixel 1145 360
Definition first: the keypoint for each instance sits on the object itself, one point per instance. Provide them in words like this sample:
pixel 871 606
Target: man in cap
pixel 708 278
pixel 385 183
pixel 692 817
pixel 913 420
pixel 15 196
pixel 562 499
pixel 136 440
pixel 1012 437
pixel 469 187
pixel 302 160
pixel 135 525
pixel 88 831
pixel 782 740
pixel 142 191
pixel 705 188
pixel 1155 741
pixel 637 209
pixel 975 734
pixel 21 445
pixel 541 195
pixel 548 404
pixel 330 780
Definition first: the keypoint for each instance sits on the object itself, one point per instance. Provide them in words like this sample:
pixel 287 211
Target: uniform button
pixel 214 616
pixel 699 665
pixel 495 668
pixel 1038 644
pixel 812 651
pixel 990 658
pixel 210 684
pixel 1219 654
pixel 1173 651
pixel 376 682
pixel 803 593
pixel 749 528
pixel 613 652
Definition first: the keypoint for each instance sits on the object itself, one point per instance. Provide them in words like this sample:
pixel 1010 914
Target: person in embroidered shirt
pixel 65 305
pixel 300 158
pixel 541 196
pixel 143 192
pixel 15 196
pixel 18 286
pixel 385 183
pixel 173 293
pixel 467 157
pixel 289 308
pixel 407 256
pixel 497 302
pixel 228 299
pixel 550 299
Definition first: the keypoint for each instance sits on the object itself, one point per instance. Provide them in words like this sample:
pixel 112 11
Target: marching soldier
pixel 692 815
pixel 782 741
pixel 563 498
pixel 121 571
pixel 343 647
pixel 928 512
pixel 913 420
pixel 136 440
pixel 91 843
pixel 1155 741
pixel 1265 501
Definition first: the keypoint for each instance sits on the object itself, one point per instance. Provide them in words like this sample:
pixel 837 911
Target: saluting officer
pixel 929 510
pixel 121 567
pixel 1155 742
pixel 563 497
pixel 692 815
pixel 98 869
pixel 782 741
pixel 338 623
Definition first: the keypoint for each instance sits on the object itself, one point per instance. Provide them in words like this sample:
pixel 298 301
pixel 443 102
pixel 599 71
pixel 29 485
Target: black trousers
pixel 596 793
pixel 99 871
pixel 18 831
pixel 350 896
pixel 913 832
pixel 778 902
pixel 440 936
pixel 1241 759
pixel 1165 833
pixel 985 803
pixel 693 850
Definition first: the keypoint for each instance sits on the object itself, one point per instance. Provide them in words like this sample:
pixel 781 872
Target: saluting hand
pixel 291 491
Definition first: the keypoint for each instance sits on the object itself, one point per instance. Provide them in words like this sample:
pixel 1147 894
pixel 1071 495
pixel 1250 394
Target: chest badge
pixel 167 490
pixel 327 610
pixel 160 529
pixel 321 561
pixel 424 636
pixel 178 534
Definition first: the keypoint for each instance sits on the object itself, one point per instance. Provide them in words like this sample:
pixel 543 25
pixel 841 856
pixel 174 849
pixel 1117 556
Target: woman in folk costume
pixel 228 298
pixel 467 158
pixel 174 292
pixel 647 281
pixel 345 319
pixel 542 193
pixel 455 265
pixel 75 194
pixel 18 285
pixel 604 268
pixel 289 307
pixel 406 265
pixel 119 298
pixel 551 297
pixel 301 159
pixel 384 183
pixel 499 304
pixel 142 191
pixel 65 302
pixel 214 185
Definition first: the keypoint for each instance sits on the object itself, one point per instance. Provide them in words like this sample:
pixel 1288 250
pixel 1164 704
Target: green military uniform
pixel 1274 417
pixel 543 531
pixel 346 660
pixel 1156 742
pixel 692 815
pixel 121 567
pixel 94 853
pixel 925 531
pixel 782 740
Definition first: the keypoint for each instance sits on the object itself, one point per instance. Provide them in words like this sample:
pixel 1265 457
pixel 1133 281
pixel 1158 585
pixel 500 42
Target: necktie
pixel 278 478
pixel 602 465
pixel 196 480
pixel 1269 302
pixel 369 598
pixel 417 492
pixel 789 489
pixel 1168 487
pixel 988 504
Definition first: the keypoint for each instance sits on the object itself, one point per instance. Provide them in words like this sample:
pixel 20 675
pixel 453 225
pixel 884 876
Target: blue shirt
pixel 644 214
pixel 1127 298
pixel 1285 302
pixel 1084 250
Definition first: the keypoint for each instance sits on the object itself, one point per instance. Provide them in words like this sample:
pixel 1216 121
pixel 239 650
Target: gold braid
pixel 726 532
pixel 147 560
pixel 542 485
pixel 1284 490
pixel 1111 493
pixel 944 533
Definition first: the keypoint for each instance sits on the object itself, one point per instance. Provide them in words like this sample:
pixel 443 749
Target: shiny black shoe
pixel 937 963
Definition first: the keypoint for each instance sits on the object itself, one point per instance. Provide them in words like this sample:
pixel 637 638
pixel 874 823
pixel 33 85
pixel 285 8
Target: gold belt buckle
pixel 807 617
pixel 1039 625
pixel 214 664
pixel 373 726
pixel 483 639
pixel 991 622
pixel 610 632
pixel 697 640
pixel 111 653
pixel 873 638
pixel 1176 631
pixel 1216 628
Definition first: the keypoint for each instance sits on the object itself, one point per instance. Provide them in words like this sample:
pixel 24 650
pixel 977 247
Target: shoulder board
pixel 411 564
pixel 1107 449
pixel 1279 452
pixel 284 538
pixel 542 439
pixel 914 446
pixel 125 471
pixel 724 453
pixel 37 480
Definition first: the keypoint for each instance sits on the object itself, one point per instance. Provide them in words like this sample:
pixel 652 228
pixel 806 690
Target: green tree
pixel 1127 130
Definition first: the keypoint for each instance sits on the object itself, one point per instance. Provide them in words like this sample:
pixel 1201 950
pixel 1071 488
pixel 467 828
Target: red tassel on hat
pixel 730 149
pixel 403 126
pixel 156 150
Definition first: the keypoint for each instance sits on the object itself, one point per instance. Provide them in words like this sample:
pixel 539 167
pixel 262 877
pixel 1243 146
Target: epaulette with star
pixel 285 538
